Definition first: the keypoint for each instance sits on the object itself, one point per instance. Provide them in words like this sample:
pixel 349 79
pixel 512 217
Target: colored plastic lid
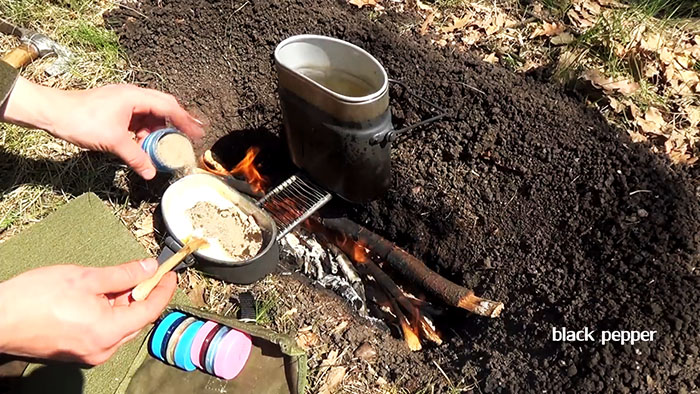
pixel 175 339
pixel 183 358
pixel 198 342
pixel 161 331
pixel 232 355
pixel 214 348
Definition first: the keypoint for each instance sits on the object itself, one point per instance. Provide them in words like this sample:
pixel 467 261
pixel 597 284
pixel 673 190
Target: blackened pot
pixel 335 106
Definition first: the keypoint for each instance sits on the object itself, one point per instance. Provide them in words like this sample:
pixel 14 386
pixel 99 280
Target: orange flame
pixel 359 253
pixel 247 168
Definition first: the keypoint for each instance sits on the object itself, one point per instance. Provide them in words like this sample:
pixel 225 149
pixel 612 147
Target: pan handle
pixel 170 247
pixel 439 114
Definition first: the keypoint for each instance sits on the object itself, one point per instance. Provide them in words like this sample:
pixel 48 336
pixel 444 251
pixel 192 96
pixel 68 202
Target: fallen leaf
pixel 616 105
pixel 307 340
pixel 458 23
pixel 666 55
pixel 426 24
pixel 548 29
pixel 650 70
pixel 422 6
pixel 496 24
pixel 591 6
pixel 652 122
pixel 492 58
pixel 562 39
pixel 580 18
pixel 683 61
pixel 624 86
pixel 634 110
pixel 637 137
pixel 693 115
pixel 333 380
pixel 676 147
pixel 654 115
pixel 682 82
pixel 471 37
pixel 362 3
pixel 651 42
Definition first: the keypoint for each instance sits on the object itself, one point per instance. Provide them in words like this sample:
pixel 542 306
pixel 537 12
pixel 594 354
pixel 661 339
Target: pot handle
pixel 440 113
pixel 170 247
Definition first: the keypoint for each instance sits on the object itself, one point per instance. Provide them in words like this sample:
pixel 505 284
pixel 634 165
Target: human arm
pixel 74 313
pixel 113 118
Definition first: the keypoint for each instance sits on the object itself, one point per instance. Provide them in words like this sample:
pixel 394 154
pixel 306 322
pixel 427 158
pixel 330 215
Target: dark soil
pixel 522 193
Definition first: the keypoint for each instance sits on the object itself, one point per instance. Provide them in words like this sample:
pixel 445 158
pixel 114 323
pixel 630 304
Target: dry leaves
pixel 492 58
pixel 362 3
pixel 584 13
pixel 678 149
pixel 599 80
pixel 548 29
pixel 562 39
pixel 335 375
pixel 307 339
pixel 426 24
pixel 652 122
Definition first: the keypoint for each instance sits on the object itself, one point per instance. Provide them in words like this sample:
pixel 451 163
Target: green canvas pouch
pixel 276 366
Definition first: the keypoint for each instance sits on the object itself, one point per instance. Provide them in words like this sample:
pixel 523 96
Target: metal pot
pixel 182 195
pixel 335 106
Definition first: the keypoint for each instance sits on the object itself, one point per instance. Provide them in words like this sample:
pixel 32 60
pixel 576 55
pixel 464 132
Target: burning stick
pixel 415 270
pixel 391 312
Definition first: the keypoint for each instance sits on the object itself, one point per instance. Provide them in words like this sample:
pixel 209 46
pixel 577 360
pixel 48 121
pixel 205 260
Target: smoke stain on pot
pixel 338 81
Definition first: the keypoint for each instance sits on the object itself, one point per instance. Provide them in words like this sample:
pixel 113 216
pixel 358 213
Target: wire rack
pixel 292 202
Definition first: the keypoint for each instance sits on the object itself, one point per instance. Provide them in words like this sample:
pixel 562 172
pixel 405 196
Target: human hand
pixel 113 118
pixel 74 313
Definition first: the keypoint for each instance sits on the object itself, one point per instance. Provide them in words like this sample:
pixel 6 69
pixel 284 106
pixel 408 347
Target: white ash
pixel 330 268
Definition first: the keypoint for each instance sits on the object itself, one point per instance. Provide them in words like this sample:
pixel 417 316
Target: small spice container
pixel 169 150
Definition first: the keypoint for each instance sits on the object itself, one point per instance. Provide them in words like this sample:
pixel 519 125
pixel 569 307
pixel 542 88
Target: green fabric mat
pixel 83 232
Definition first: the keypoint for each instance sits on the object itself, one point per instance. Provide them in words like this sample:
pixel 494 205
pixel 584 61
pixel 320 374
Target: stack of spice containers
pixel 189 343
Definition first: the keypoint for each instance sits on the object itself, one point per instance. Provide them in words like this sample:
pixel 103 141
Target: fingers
pixel 146 122
pixel 135 157
pixel 131 318
pixel 166 106
pixel 118 278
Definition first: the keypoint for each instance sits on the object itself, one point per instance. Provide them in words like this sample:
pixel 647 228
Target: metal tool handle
pixel 21 56
pixel 393 134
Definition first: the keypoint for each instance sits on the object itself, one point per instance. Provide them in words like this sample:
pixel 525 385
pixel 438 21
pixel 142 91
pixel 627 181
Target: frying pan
pixel 182 195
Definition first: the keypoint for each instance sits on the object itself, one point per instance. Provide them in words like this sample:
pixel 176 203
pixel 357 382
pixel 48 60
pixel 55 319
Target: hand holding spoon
pixel 143 289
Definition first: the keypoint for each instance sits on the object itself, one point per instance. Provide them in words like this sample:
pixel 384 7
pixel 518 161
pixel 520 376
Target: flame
pixel 247 168
pixel 359 253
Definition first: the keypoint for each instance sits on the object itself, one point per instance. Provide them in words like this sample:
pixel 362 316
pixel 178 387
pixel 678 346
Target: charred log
pixel 413 269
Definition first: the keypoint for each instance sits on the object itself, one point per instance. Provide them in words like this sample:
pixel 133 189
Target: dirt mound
pixel 522 193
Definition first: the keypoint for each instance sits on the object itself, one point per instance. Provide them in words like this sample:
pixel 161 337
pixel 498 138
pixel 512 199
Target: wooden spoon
pixel 143 289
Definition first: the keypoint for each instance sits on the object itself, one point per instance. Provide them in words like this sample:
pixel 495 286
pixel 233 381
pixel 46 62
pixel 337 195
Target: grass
pixel 39 172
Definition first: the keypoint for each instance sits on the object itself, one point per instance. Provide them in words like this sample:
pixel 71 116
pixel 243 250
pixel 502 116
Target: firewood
pixel 415 270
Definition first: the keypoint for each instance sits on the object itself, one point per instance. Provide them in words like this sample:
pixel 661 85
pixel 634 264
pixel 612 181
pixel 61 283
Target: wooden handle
pixel 143 289
pixel 20 56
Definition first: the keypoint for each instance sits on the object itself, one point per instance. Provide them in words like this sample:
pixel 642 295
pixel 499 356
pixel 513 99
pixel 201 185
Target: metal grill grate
pixel 292 202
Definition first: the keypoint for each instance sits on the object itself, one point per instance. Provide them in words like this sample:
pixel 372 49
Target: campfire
pixel 357 264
